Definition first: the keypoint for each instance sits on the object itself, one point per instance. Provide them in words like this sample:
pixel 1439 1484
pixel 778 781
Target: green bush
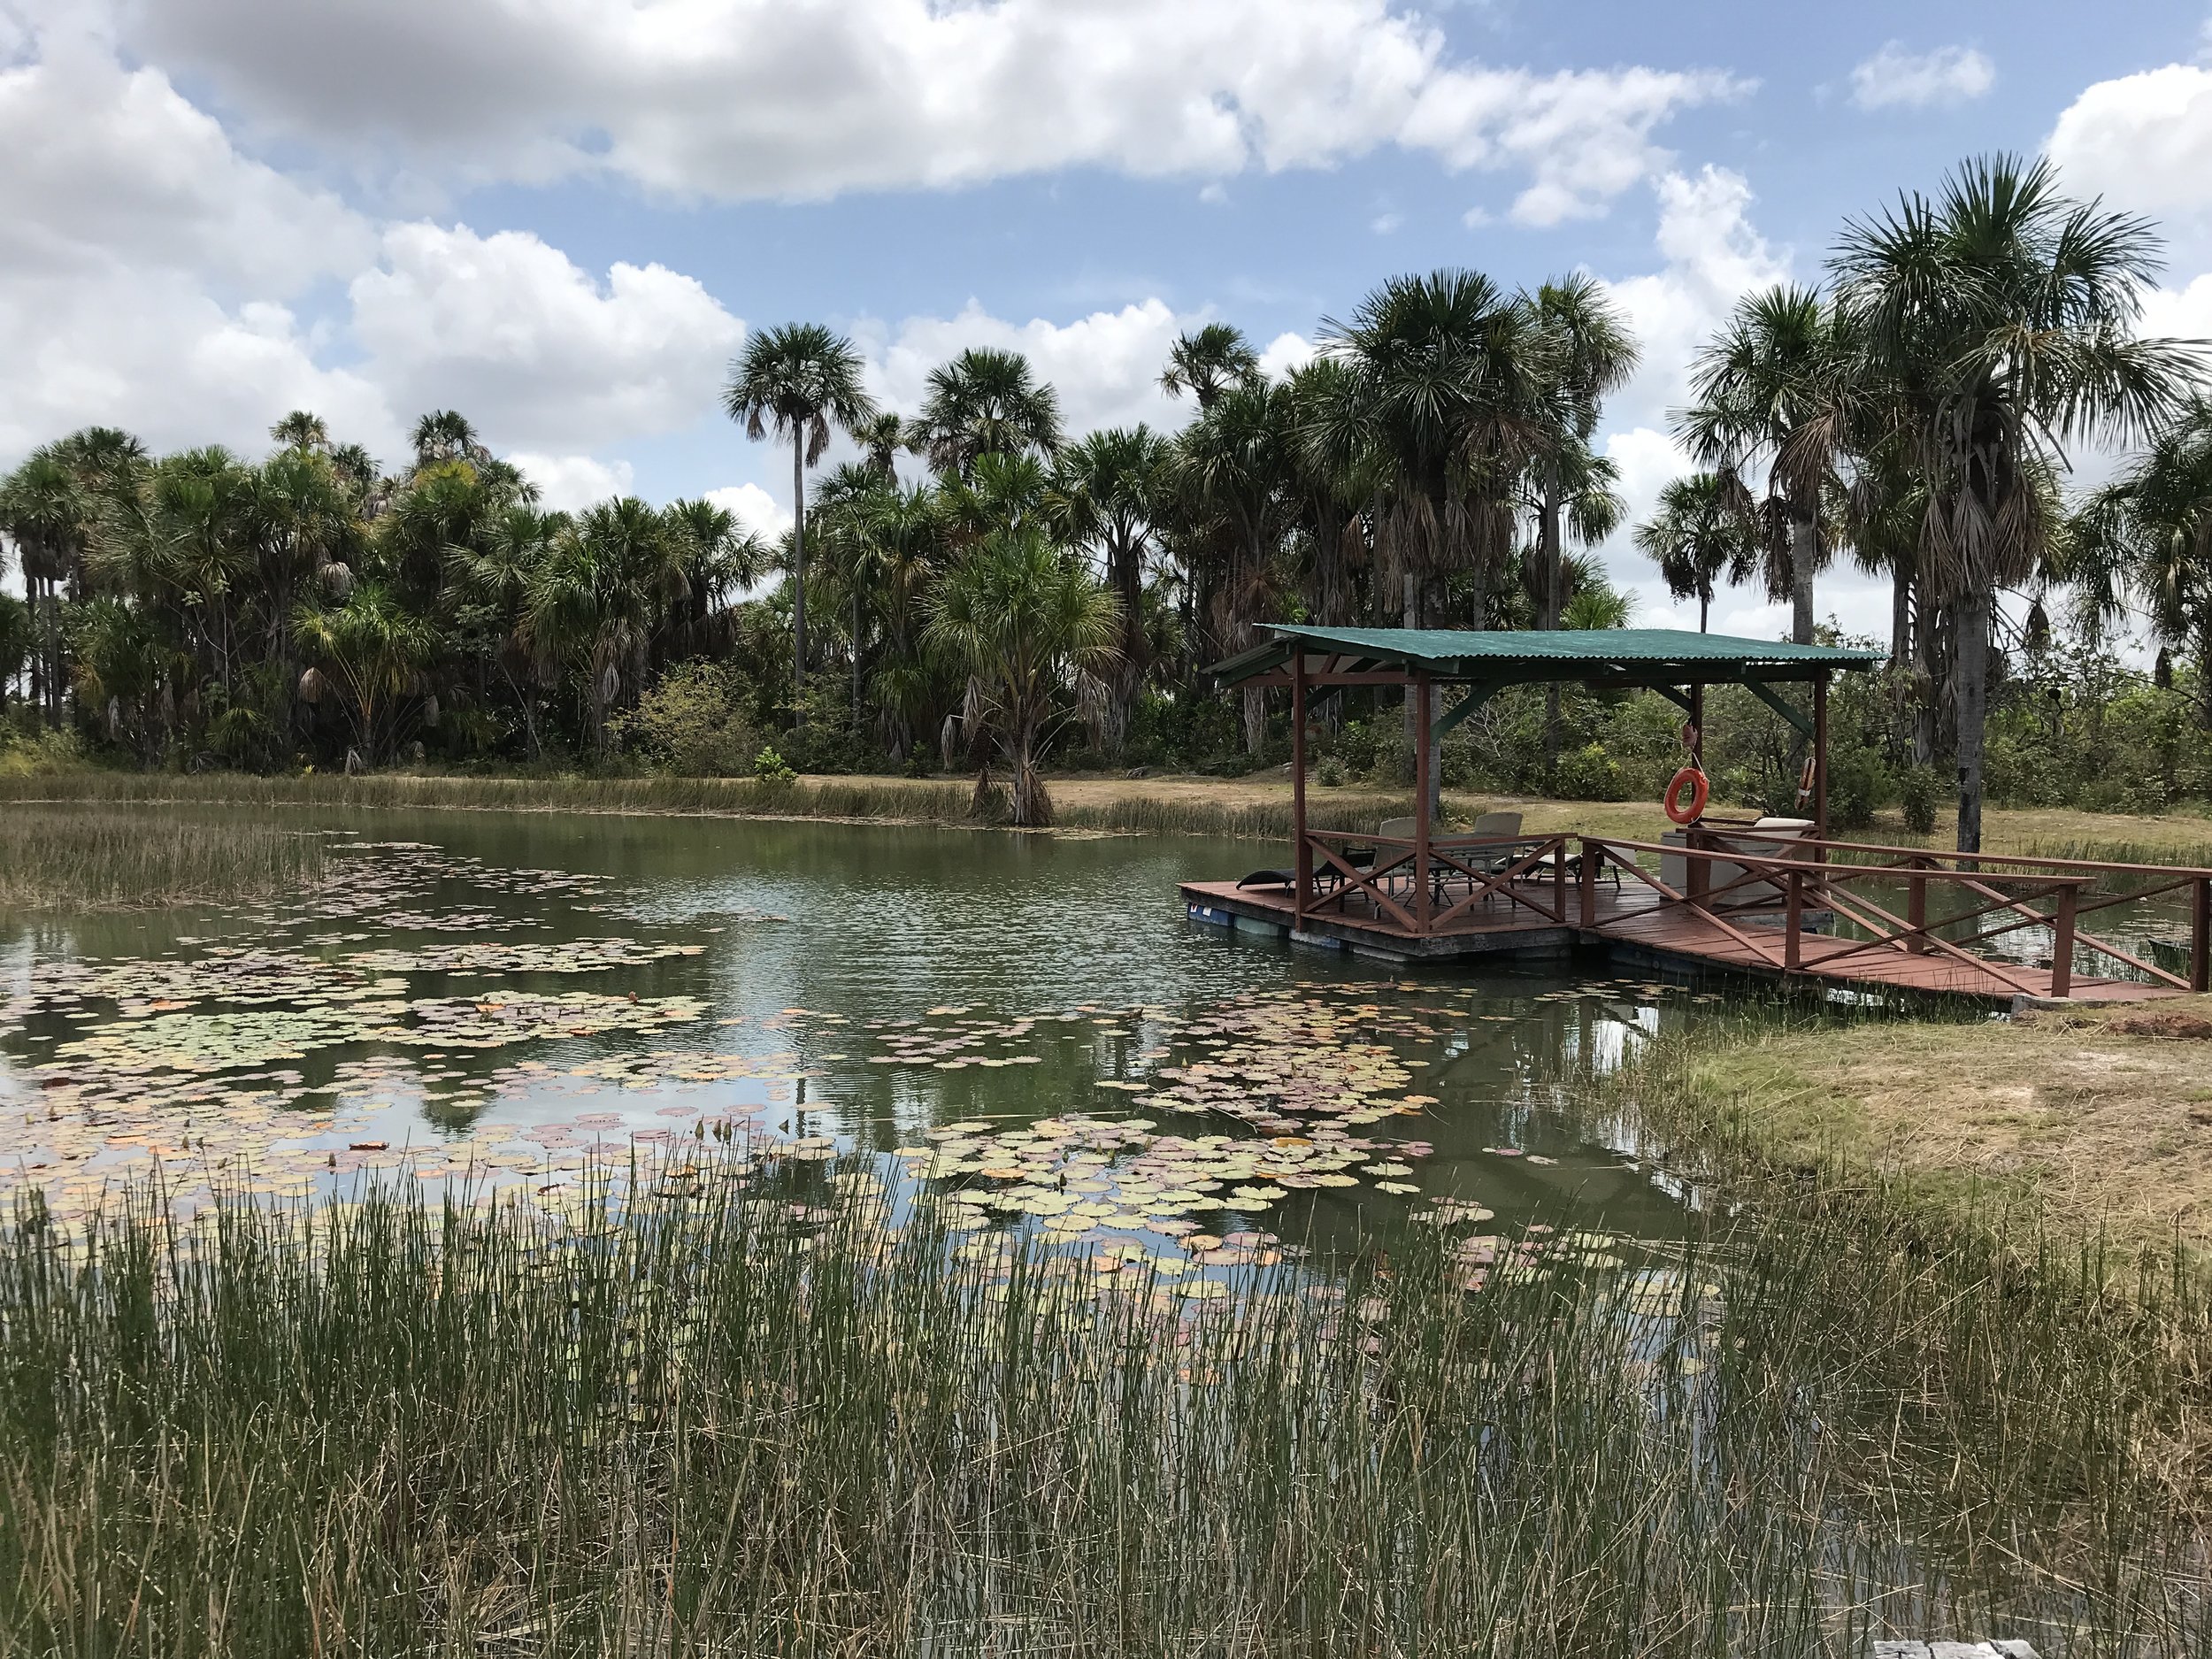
pixel 696 721
pixel 1920 791
pixel 769 767
pixel 1589 773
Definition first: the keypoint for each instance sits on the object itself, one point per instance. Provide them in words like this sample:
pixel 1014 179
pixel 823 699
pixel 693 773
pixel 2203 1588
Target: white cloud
pixel 1106 365
pixel 749 98
pixel 107 165
pixel 2143 141
pixel 1712 255
pixel 510 331
pixel 1383 224
pixel 571 482
pixel 1287 352
pixel 754 508
pixel 1894 78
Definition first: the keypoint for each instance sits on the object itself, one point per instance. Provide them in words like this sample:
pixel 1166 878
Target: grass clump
pixel 740 1418
pixel 91 857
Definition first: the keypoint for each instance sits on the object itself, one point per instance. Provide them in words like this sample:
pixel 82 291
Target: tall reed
pixel 94 857
pixel 724 1421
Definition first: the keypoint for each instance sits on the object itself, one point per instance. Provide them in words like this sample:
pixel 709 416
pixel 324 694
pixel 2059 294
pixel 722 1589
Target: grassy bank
pixel 1255 808
pixel 2091 1120
pixel 105 858
pixel 719 1424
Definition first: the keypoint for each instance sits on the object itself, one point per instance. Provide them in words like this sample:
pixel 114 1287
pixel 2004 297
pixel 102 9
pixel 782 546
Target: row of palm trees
pixel 969 578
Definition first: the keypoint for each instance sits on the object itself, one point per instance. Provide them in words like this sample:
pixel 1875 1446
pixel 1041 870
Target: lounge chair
pixel 1269 879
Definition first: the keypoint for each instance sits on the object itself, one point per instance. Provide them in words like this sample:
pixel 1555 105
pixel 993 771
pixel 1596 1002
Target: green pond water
pixel 500 998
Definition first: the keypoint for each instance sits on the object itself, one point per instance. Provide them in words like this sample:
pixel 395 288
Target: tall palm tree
pixel 447 435
pixel 1331 480
pixel 1988 328
pixel 1698 540
pixel 796 381
pixel 1207 361
pixel 301 429
pixel 49 515
pixel 985 402
pixel 489 582
pixel 1234 462
pixel 1107 492
pixel 881 438
pixel 1023 620
pixel 1588 352
pixel 1766 392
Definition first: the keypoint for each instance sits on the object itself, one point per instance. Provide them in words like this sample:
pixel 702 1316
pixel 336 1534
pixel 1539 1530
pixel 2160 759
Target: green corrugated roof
pixel 1607 655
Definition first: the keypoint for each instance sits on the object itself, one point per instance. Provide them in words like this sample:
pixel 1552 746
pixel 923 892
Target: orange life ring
pixel 1687 815
pixel 1806 778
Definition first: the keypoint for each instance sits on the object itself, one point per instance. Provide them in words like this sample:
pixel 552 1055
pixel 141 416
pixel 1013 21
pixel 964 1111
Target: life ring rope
pixel 1687 813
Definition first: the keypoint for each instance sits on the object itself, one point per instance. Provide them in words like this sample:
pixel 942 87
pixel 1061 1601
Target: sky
pixel 562 217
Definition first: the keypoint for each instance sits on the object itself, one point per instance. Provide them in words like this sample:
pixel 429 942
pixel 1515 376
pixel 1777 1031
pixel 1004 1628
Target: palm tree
pixel 880 440
pixel 374 646
pixel 1767 391
pixel 488 585
pixel 796 381
pixel 985 401
pixel 49 515
pixel 1107 492
pixel 597 596
pixel 1986 328
pixel 446 435
pixel 1698 540
pixel 301 429
pixel 1207 361
pixel 1589 351
pixel 1023 620
pixel 1234 462
pixel 2148 536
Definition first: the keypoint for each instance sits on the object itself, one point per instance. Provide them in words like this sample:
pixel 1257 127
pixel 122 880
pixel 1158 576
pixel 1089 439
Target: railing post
pixel 2200 934
pixel 1421 830
pixel 1592 856
pixel 1698 878
pixel 1916 911
pixel 1301 854
pixel 1793 921
pixel 2063 943
pixel 1559 878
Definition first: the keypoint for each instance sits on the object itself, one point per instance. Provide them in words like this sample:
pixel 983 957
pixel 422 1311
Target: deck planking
pixel 1639 921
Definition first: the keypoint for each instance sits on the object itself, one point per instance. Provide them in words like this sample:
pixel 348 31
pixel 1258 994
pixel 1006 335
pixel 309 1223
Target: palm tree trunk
pixel 1970 696
pixel 1554 605
pixel 1704 607
pixel 1900 615
pixel 798 577
pixel 1804 549
pixel 1928 644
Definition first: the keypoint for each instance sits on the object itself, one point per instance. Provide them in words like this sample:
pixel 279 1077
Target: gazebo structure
pixel 1738 892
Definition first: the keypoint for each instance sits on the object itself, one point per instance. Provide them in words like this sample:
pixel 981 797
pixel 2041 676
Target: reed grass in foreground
pixel 718 1421
pixel 100 857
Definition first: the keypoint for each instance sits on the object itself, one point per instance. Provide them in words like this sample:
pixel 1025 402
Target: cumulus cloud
pixel 1106 365
pixel 1894 78
pixel 538 353
pixel 746 99
pixel 1287 352
pixel 754 508
pixel 108 164
pixel 2142 141
pixel 570 482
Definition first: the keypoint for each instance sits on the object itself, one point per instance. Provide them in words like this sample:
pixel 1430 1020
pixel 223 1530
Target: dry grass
pixel 95 857
pixel 2094 1117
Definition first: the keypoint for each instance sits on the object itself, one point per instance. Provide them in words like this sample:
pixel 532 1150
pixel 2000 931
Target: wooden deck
pixel 1639 922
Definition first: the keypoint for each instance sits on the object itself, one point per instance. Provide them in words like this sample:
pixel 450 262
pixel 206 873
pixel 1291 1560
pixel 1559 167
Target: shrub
pixel 1589 773
pixel 769 767
pixel 1330 775
pixel 1920 791
pixel 694 721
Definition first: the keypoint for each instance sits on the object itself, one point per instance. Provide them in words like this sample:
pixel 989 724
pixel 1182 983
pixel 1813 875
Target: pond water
pixel 499 998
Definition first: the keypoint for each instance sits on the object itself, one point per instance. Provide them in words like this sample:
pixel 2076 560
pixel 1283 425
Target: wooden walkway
pixel 1639 921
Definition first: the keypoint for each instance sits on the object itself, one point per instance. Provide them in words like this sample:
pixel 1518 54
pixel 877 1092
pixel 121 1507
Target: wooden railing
pixel 2002 895
pixel 1413 888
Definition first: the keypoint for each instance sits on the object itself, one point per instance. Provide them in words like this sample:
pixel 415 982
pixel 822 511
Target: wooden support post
pixel 1917 910
pixel 1820 766
pixel 1302 855
pixel 1697 724
pixel 1592 856
pixel 2200 934
pixel 1559 878
pixel 1423 720
pixel 1794 922
pixel 2063 943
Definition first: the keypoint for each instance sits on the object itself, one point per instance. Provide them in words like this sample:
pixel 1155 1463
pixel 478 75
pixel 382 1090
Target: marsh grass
pixel 718 1421
pixel 858 798
pixel 91 856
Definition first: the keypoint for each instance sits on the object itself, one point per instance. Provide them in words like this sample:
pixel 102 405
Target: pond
pixel 500 998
